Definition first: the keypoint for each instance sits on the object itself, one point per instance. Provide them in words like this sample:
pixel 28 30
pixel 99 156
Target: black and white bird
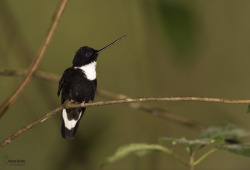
pixel 78 85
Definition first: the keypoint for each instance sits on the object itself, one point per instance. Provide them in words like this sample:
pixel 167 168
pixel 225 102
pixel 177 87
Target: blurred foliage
pixel 180 23
pixel 241 149
pixel 224 132
pixel 138 149
pixel 215 137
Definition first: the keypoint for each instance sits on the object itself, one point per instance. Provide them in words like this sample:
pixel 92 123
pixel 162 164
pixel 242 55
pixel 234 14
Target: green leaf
pixel 139 149
pixel 224 132
pixel 248 109
pixel 191 144
pixel 240 149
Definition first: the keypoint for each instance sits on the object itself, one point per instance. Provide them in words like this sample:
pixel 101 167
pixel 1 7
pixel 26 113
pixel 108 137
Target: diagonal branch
pixel 36 61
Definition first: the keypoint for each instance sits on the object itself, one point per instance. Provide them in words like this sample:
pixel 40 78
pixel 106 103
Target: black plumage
pixel 78 85
pixel 75 85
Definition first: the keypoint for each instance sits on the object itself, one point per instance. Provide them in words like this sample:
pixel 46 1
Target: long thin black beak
pixel 110 44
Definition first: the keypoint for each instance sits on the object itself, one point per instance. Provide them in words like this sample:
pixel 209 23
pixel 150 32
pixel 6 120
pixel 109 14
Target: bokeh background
pixel 172 48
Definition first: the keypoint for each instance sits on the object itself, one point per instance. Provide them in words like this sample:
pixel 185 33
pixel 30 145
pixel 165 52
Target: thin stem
pixel 169 99
pixel 191 160
pixel 204 156
pixel 37 74
pixel 36 61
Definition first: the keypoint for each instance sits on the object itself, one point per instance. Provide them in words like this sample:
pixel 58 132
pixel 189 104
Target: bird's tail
pixel 70 122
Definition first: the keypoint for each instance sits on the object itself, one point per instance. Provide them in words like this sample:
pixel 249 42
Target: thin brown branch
pixel 155 111
pixel 36 61
pixel 37 74
pixel 163 113
pixel 166 99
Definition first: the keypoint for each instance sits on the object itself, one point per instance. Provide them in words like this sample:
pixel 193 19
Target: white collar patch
pixel 89 70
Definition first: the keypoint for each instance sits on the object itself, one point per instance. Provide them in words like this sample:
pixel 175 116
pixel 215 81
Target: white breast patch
pixel 89 70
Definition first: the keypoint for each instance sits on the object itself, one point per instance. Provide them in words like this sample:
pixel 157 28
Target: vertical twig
pixel 36 61
pixel 191 160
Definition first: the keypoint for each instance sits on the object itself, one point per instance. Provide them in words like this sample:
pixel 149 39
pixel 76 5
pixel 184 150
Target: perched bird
pixel 78 85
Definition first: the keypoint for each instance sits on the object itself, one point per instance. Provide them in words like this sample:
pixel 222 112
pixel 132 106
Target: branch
pixel 37 74
pixel 36 61
pixel 155 111
pixel 68 105
pixel 166 99
pixel 159 112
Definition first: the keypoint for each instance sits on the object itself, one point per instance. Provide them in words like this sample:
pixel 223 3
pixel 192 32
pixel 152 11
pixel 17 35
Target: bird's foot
pixel 72 101
pixel 82 104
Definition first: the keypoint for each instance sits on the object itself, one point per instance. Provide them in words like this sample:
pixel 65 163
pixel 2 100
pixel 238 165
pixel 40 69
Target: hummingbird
pixel 78 85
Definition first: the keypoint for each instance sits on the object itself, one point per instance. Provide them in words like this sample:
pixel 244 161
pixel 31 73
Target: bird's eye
pixel 88 54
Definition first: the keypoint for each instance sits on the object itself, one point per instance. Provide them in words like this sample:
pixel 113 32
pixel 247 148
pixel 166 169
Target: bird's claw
pixel 82 104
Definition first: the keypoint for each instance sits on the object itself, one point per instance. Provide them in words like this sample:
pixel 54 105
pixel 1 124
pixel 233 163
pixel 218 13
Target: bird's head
pixel 86 55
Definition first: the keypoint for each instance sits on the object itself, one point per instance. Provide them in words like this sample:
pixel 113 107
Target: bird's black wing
pixel 95 86
pixel 62 81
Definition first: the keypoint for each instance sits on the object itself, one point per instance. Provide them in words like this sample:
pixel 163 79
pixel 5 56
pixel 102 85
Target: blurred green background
pixel 172 48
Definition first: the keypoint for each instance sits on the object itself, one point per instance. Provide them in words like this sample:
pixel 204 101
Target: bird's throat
pixel 89 70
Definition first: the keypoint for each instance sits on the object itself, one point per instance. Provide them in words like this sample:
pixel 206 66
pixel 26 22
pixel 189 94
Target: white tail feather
pixel 69 124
